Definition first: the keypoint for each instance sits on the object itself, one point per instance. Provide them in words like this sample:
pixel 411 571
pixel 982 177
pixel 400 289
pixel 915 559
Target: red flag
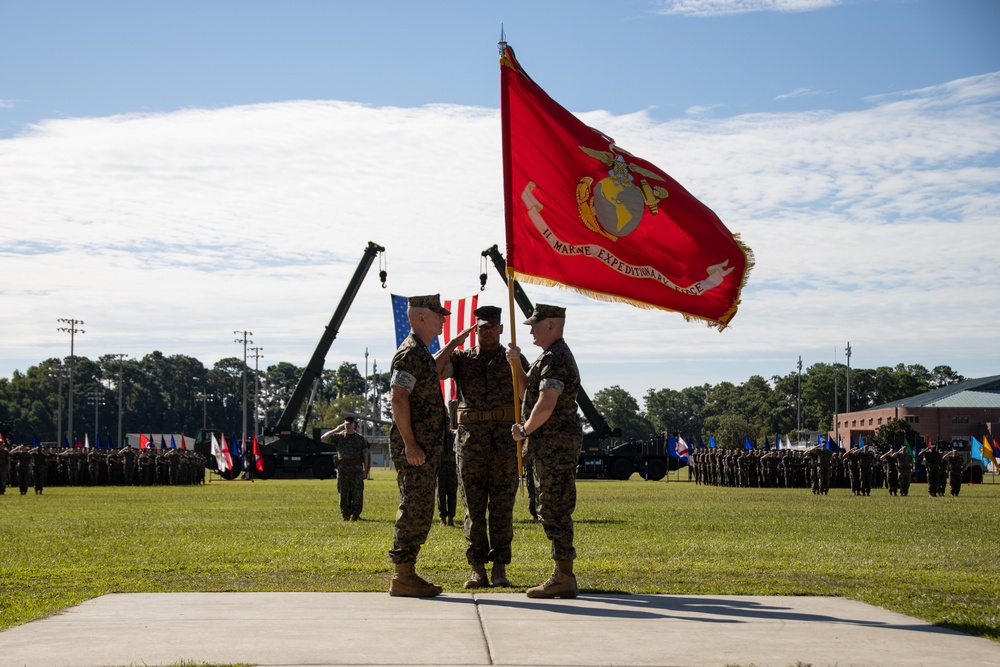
pixel 462 317
pixel 225 453
pixel 183 443
pixel 257 458
pixel 144 441
pixel 584 213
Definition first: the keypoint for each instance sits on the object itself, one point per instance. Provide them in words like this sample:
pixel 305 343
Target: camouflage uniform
pixel 413 368
pixel 447 485
pixel 931 459
pixel 4 468
pixel 351 448
pixel 904 468
pixel 22 456
pixel 486 452
pixel 955 465
pixel 554 447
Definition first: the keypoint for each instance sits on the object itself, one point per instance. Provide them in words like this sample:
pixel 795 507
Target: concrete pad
pixel 484 629
pixel 713 631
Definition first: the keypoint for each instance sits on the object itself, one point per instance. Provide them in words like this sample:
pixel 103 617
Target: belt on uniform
pixel 505 414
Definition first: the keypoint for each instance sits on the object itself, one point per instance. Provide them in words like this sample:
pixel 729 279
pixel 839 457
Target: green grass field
pixel 937 559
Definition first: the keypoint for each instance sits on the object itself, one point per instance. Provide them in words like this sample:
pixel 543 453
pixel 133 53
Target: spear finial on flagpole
pixel 502 44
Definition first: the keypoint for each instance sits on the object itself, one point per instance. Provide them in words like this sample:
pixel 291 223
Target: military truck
pixel 603 454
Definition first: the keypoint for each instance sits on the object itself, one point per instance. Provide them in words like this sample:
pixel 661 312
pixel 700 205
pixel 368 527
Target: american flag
pixel 462 317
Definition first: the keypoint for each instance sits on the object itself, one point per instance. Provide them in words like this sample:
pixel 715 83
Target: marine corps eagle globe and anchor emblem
pixel 613 207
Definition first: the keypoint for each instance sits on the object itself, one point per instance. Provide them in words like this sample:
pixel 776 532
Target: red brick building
pixel 950 414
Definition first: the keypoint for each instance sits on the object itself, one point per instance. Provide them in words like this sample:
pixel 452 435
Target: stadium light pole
pixel 59 373
pixel 204 396
pixel 72 331
pixel 798 405
pixel 121 366
pixel 97 398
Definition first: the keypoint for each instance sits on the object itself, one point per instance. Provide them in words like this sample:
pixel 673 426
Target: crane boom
pixel 314 368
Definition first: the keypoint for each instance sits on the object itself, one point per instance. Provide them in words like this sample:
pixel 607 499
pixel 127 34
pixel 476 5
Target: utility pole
pixel 245 340
pixel 257 356
pixel 798 405
pixel 72 331
pixel 848 377
pixel 375 412
pixel 59 373
pixel 366 390
pixel 121 368
pixel 836 391
pixel 248 470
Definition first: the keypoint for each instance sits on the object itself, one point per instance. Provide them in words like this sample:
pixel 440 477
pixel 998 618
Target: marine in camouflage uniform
pixel 931 459
pixel 22 457
pixel 416 442
pixel 904 469
pixel 4 467
pixel 891 473
pixel 448 475
pixel 485 451
pixel 955 464
pixel 553 440
pixel 353 463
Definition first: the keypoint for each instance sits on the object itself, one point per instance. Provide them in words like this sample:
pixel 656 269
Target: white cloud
pixel 169 231
pixel 800 92
pixel 725 7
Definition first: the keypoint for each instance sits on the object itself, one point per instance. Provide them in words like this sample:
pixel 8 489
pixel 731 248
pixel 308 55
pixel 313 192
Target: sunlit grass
pixel 933 558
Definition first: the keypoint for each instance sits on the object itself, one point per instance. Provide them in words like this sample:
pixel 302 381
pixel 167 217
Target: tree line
pixel 169 394
pixel 759 409
pixel 177 393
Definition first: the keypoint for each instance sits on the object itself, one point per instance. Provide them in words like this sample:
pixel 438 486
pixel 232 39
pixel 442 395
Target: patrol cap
pixel 544 312
pixel 430 301
pixel 488 314
pixel 350 419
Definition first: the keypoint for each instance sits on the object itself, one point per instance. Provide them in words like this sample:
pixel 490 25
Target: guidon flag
pixel 584 213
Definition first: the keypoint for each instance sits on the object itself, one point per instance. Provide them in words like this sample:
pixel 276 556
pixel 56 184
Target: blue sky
pixel 172 171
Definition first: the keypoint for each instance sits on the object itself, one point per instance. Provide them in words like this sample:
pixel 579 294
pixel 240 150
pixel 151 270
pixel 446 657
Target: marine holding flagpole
pixel 552 438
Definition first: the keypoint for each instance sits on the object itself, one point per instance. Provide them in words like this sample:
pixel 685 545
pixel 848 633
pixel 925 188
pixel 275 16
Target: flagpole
pixel 514 367
pixel 508 223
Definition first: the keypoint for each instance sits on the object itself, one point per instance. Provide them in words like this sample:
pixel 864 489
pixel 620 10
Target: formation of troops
pixel 37 467
pixel 860 469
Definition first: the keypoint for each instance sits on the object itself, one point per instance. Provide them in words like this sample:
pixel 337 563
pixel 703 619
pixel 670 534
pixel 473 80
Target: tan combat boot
pixel 499 575
pixel 478 578
pixel 562 583
pixel 406 583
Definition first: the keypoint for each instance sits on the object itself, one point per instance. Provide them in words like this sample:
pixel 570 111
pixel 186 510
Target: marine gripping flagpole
pixel 508 219
pixel 514 367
